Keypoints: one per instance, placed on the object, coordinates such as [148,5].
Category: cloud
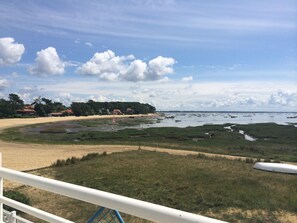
[107,66]
[175,94]
[88,44]
[4,84]
[47,63]
[14,74]
[283,98]
[160,66]
[186,79]
[10,52]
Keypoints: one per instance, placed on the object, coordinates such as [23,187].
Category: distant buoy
[276,167]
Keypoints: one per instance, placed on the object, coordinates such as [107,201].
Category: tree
[15,102]
[14,98]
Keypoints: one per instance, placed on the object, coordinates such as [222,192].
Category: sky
[217,55]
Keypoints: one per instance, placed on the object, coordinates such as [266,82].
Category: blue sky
[175,55]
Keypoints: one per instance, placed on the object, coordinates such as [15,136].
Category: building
[117,112]
[27,110]
[66,112]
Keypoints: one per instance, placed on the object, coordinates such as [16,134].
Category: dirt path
[22,156]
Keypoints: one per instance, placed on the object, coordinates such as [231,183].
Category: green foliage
[9,107]
[103,108]
[74,160]
[43,107]
[17,196]
[249,160]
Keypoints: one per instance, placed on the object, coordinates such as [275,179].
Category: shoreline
[17,122]
[29,156]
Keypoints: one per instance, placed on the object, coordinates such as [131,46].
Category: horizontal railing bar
[34,211]
[142,209]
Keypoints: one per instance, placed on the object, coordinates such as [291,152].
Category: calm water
[184,119]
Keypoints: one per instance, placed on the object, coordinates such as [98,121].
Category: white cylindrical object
[142,209]
[276,167]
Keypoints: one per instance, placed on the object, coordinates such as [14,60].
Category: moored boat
[276,167]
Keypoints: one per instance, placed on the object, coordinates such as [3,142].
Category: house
[66,112]
[117,112]
[55,114]
[27,110]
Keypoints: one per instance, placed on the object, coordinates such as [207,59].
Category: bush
[74,160]
[249,160]
[17,196]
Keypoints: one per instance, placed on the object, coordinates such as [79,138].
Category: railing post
[12,217]
[1,191]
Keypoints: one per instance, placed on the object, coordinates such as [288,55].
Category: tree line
[104,108]
[42,107]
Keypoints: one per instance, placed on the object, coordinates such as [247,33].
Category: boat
[276,167]
[292,116]
[177,120]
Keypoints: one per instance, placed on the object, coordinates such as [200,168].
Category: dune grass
[210,186]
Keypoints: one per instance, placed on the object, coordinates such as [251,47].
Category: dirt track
[22,156]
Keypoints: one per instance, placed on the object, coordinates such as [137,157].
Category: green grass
[194,184]
[273,141]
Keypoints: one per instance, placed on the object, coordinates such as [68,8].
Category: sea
[185,119]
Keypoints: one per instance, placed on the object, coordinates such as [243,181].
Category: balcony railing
[141,209]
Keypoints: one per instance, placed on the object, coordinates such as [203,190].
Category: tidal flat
[274,141]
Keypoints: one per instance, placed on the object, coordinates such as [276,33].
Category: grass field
[225,189]
[278,142]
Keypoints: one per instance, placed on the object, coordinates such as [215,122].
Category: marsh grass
[198,184]
[277,142]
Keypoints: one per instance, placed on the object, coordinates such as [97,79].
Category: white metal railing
[11,217]
[142,209]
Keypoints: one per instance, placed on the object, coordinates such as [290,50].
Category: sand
[24,156]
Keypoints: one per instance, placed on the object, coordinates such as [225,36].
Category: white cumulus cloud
[107,66]
[283,98]
[186,79]
[47,63]
[10,51]
[4,84]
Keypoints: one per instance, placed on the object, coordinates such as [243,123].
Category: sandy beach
[22,156]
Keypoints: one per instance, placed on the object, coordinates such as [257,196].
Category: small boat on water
[177,120]
[170,116]
[292,116]
[276,167]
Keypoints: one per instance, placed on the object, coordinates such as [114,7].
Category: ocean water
[185,119]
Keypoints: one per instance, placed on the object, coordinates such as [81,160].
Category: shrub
[74,160]
[17,196]
[249,160]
